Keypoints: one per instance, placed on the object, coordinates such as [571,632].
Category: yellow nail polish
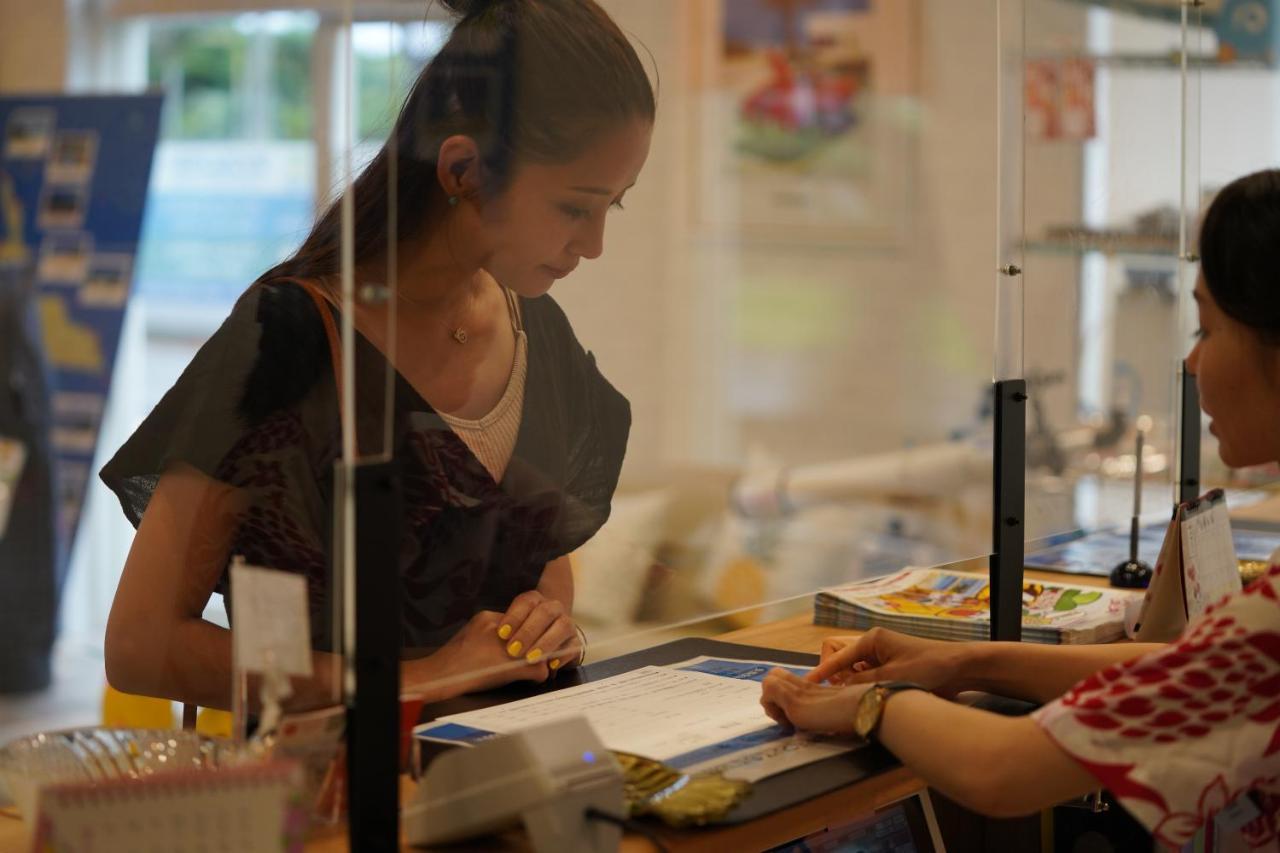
[514,648]
[534,656]
[555,663]
[504,632]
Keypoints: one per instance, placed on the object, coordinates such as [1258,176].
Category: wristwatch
[866,719]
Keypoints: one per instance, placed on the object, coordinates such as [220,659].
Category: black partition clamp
[1008,527]
[1189,439]
[373,713]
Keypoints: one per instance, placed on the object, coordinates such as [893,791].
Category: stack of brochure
[948,605]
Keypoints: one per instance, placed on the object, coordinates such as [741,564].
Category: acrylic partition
[771,373]
[1238,113]
[1111,131]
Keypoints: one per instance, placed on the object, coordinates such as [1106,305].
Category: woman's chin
[1234,457]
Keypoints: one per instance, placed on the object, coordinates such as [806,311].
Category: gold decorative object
[675,798]
[1251,570]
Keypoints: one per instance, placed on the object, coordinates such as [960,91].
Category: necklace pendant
[460,335]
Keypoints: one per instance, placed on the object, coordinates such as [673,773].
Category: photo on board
[28,133]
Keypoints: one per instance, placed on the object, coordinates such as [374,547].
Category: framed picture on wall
[804,119]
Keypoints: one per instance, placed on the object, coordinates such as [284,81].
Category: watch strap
[884,690]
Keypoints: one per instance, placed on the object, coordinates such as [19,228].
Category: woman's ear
[458,168]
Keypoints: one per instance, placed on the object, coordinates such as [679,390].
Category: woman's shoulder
[292,347]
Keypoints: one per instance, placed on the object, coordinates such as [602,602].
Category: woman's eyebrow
[600,190]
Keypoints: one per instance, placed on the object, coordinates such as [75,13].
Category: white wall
[913,349]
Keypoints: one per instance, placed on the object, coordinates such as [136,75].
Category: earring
[453,201]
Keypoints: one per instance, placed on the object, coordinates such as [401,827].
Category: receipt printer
[552,778]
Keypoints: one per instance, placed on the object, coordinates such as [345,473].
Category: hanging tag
[1210,570]
[270,629]
[13,458]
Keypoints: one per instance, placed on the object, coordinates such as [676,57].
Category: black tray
[768,795]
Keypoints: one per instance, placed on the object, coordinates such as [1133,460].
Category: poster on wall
[806,121]
[78,170]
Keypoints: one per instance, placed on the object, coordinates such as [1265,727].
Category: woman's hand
[882,655]
[801,704]
[470,661]
[540,630]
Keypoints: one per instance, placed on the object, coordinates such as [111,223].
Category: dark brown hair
[528,80]
[1240,252]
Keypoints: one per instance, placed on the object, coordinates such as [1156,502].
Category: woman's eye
[1198,334]
[617,203]
[575,212]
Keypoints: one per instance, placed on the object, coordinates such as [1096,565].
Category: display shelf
[1085,241]
[1155,61]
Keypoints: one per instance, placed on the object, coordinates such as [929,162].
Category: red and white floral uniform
[1179,734]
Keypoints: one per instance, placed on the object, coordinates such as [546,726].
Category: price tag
[269,620]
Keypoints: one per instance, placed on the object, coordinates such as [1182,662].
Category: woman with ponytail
[511,149]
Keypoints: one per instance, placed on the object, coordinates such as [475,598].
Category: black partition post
[373,713]
[1008,530]
[1189,439]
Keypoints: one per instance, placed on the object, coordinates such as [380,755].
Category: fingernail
[555,663]
[504,632]
[514,648]
[534,656]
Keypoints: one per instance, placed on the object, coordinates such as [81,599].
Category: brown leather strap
[330,328]
[189,716]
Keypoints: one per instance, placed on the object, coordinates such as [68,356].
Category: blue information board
[74,172]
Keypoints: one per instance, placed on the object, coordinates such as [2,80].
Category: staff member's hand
[793,701]
[540,630]
[882,655]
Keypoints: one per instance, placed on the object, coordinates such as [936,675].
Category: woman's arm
[998,766]
[1040,673]
[1030,671]
[995,765]
[557,581]
[157,643]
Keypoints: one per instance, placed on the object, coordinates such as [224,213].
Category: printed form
[700,715]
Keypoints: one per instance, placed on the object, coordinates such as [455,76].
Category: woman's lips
[557,272]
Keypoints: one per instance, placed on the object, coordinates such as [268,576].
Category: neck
[432,275]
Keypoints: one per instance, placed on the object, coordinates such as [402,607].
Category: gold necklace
[458,333]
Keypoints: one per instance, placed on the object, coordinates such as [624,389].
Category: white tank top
[492,438]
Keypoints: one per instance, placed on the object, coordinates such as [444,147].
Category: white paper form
[698,715]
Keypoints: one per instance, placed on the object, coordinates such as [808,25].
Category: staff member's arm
[997,766]
[1036,673]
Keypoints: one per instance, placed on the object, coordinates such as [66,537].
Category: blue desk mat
[768,795]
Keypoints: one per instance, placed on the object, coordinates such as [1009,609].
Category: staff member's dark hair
[1240,252]
[529,80]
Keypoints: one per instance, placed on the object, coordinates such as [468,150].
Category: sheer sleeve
[261,364]
[598,417]
[1180,734]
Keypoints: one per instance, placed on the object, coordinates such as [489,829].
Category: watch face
[868,713]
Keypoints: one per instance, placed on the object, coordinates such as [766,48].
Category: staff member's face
[1239,380]
[552,216]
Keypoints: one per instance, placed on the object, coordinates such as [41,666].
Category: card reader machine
[549,778]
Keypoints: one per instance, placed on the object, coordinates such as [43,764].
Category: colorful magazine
[950,605]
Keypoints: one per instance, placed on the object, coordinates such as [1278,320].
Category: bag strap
[323,306]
